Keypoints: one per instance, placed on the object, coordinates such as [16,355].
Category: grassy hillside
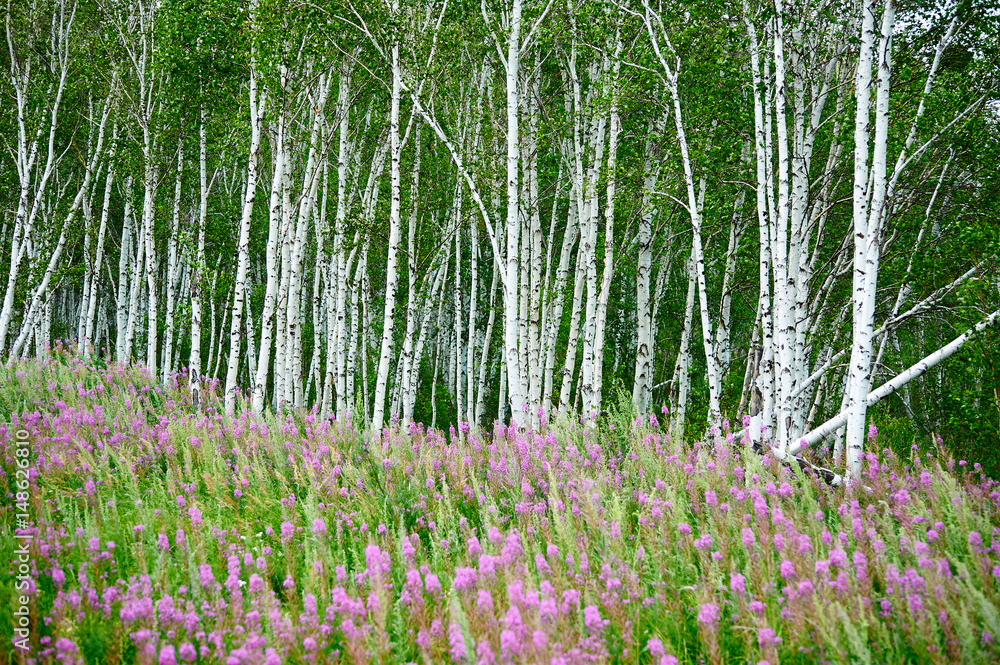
[160,534]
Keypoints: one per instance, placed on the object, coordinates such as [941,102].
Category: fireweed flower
[766,637]
[456,643]
[708,615]
[432,584]
[592,619]
[510,645]
[484,600]
[465,578]
[737,583]
[787,569]
[167,656]
[187,652]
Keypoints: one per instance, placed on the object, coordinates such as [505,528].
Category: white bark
[869,199]
[914,371]
[343,269]
[470,401]
[609,234]
[88,340]
[694,205]
[197,278]
[271,258]
[122,347]
[511,312]
[642,386]
[243,243]
[173,266]
[681,381]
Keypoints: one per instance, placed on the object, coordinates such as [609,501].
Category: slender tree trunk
[410,359]
[172,268]
[88,342]
[869,192]
[121,347]
[395,227]
[642,386]
[512,323]
[243,244]
[197,278]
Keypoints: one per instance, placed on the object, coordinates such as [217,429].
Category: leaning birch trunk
[915,371]
[92,269]
[27,151]
[556,301]
[698,258]
[670,78]
[37,308]
[243,244]
[307,204]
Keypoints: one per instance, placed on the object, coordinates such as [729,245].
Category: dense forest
[452,212]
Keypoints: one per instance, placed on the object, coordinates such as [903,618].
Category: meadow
[164,533]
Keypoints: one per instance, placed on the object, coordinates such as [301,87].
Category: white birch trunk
[395,230]
[869,192]
[123,300]
[243,243]
[172,268]
[89,347]
[642,385]
[914,371]
[197,278]
[681,381]
[512,323]
[31,196]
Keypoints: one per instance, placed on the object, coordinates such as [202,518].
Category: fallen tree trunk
[892,386]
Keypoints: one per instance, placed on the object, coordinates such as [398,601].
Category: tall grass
[163,535]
